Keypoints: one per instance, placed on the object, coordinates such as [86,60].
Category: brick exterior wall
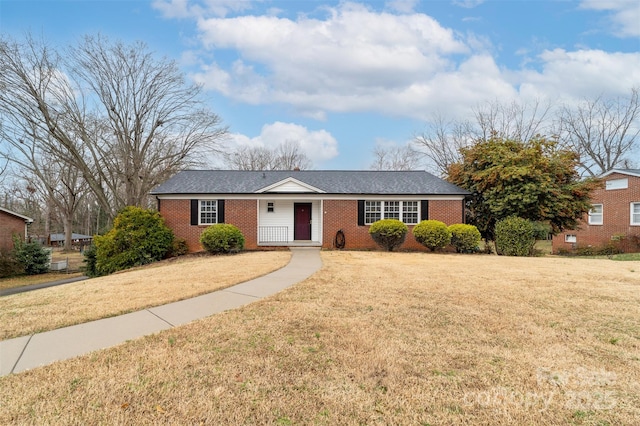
[338,214]
[241,213]
[343,214]
[10,225]
[616,219]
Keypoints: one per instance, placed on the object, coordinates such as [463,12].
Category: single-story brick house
[12,223]
[614,216]
[304,208]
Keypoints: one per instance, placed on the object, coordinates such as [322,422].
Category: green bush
[90,259]
[222,238]
[388,233]
[179,247]
[9,265]
[33,258]
[432,234]
[465,238]
[515,236]
[138,237]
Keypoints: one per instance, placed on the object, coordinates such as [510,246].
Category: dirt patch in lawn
[153,285]
[376,338]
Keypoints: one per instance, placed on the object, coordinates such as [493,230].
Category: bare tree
[442,140]
[395,158]
[250,158]
[125,120]
[516,121]
[603,131]
[287,156]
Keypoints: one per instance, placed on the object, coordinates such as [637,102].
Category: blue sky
[340,77]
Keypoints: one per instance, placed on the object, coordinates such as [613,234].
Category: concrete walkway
[23,353]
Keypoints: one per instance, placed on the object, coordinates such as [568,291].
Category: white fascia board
[25,218]
[308,196]
[619,171]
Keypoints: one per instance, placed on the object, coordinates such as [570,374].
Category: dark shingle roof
[329,181]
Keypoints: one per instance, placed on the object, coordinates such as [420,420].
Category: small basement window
[570,238]
[270,208]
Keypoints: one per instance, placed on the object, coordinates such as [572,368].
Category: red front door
[302,221]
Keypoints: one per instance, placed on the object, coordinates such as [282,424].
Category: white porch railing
[273,234]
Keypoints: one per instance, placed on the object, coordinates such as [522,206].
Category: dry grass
[376,338]
[74,259]
[163,282]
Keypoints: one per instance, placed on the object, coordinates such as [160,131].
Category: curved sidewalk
[24,353]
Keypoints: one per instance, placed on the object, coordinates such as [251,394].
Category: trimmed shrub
[138,237]
[90,259]
[9,265]
[33,258]
[178,248]
[465,238]
[388,233]
[222,238]
[515,236]
[432,234]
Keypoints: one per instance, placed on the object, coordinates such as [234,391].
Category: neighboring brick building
[11,224]
[304,208]
[614,217]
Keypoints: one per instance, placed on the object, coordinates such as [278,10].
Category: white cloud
[468,4]
[357,59]
[318,145]
[625,15]
[352,60]
[580,74]
[402,6]
[196,9]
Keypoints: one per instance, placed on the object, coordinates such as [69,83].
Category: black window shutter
[424,209]
[360,212]
[195,211]
[220,211]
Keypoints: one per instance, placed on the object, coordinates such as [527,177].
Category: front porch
[290,223]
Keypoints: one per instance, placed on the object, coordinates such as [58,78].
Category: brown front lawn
[375,338]
[128,291]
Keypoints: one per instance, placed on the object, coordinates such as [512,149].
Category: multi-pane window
[208,212]
[406,211]
[635,213]
[410,212]
[595,215]
[392,210]
[372,211]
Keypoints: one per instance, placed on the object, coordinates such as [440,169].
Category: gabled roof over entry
[308,181]
[289,185]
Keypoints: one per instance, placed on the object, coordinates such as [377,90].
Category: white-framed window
[635,214]
[595,215]
[270,207]
[372,211]
[570,238]
[617,184]
[410,212]
[392,210]
[406,211]
[208,212]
